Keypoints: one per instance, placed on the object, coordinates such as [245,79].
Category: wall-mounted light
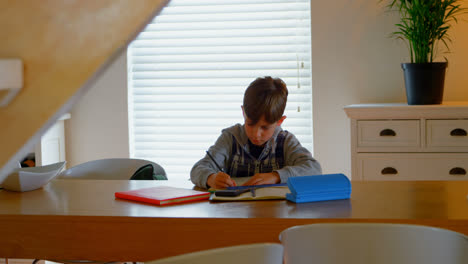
[11,78]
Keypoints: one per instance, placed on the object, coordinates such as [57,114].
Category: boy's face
[259,133]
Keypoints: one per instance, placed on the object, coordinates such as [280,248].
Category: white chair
[367,243]
[114,169]
[261,253]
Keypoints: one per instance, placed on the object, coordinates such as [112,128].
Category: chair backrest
[367,243]
[114,169]
[261,253]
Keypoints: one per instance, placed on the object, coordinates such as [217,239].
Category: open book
[262,193]
[259,193]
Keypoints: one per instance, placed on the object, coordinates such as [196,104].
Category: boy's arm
[205,167]
[298,160]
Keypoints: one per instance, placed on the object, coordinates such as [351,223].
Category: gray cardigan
[298,161]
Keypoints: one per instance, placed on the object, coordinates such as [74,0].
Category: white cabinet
[402,142]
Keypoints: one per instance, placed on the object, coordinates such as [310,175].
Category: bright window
[189,68]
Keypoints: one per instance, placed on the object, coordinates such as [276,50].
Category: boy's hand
[264,178]
[220,180]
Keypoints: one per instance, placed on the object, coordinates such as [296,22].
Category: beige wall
[353,61]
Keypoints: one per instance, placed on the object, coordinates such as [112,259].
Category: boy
[259,148]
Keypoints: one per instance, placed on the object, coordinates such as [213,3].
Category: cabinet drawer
[413,166]
[447,133]
[386,167]
[388,133]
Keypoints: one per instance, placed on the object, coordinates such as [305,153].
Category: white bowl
[31,178]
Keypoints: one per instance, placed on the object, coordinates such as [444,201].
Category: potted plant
[424,24]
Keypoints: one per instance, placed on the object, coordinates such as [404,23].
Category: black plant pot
[424,82]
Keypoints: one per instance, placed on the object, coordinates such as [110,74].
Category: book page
[265,193]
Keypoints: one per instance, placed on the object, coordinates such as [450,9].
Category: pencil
[216,163]
[252,191]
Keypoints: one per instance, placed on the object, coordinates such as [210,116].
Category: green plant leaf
[424,23]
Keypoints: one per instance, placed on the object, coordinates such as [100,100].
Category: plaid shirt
[282,153]
[243,164]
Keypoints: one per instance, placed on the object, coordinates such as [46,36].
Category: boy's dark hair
[265,97]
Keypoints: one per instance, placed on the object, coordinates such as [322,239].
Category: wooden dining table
[81,219]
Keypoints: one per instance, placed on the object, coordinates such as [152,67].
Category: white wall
[353,61]
[98,127]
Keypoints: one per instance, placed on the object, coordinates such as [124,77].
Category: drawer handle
[457,171]
[458,132]
[389,170]
[387,133]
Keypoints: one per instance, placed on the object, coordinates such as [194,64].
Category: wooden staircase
[64,45]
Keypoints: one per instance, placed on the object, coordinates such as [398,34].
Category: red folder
[163,195]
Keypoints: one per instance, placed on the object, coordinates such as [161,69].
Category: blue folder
[318,188]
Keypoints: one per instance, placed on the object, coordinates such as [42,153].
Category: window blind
[189,68]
